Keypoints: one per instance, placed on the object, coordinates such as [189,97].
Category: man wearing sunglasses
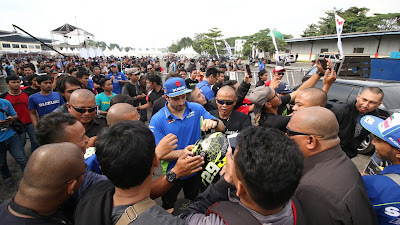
[331,190]
[278,73]
[54,173]
[234,120]
[82,105]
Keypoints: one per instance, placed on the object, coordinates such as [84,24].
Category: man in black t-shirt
[234,121]
[132,87]
[97,76]
[156,91]
[192,81]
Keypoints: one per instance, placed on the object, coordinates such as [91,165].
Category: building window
[324,50]
[15,45]
[287,51]
[37,46]
[24,46]
[31,46]
[6,45]
[358,50]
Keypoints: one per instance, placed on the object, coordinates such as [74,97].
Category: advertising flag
[228,48]
[216,50]
[339,28]
[274,41]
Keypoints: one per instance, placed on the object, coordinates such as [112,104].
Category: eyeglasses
[276,95]
[290,133]
[281,74]
[81,174]
[149,68]
[222,102]
[83,110]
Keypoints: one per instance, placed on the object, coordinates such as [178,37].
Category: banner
[339,28]
[216,50]
[228,48]
[276,47]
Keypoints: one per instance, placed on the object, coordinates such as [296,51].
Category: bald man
[331,190]
[54,173]
[310,97]
[82,105]
[121,111]
[234,121]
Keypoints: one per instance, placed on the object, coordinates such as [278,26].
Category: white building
[239,43]
[375,44]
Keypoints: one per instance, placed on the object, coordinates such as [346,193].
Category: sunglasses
[222,102]
[281,74]
[83,110]
[289,132]
[275,96]
[81,174]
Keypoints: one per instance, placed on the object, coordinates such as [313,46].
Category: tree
[356,21]
[205,41]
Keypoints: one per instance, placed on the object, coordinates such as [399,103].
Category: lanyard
[56,218]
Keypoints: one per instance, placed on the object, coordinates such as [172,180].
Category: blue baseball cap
[175,86]
[283,88]
[387,130]
[113,64]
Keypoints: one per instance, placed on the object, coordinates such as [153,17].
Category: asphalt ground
[6,193]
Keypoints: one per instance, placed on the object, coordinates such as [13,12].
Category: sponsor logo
[49,103]
[178,83]
[178,89]
[394,142]
[369,120]
[171,121]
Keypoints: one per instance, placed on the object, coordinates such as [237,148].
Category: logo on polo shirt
[190,114]
[171,121]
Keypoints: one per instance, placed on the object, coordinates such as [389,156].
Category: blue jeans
[14,146]
[31,132]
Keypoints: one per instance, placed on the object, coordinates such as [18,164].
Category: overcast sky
[157,23]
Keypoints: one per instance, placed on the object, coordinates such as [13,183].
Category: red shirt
[267,83]
[20,104]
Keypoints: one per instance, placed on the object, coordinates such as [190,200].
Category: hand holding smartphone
[249,71]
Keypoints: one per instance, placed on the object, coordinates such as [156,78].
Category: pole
[15,26]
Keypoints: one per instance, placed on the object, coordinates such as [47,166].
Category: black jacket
[347,114]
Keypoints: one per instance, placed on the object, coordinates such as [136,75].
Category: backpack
[234,214]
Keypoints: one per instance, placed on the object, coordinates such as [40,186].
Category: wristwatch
[171,177]
[321,74]
[216,121]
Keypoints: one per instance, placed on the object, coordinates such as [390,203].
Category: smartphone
[232,142]
[323,62]
[249,71]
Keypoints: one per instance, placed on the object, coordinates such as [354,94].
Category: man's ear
[311,142]
[73,185]
[69,106]
[398,153]
[268,104]
[156,161]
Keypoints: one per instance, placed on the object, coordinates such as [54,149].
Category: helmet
[213,148]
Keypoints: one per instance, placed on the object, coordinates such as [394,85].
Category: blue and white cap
[387,130]
[175,86]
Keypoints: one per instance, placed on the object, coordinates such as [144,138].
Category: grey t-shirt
[153,216]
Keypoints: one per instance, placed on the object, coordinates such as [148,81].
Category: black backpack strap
[232,213]
[4,95]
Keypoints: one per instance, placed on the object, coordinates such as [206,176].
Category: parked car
[346,90]
[334,57]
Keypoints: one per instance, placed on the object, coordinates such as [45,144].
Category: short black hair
[62,83]
[30,78]
[212,71]
[42,78]
[229,83]
[29,65]
[72,70]
[125,153]
[154,78]
[12,77]
[119,98]
[50,128]
[269,164]
[102,81]
[182,70]
[81,73]
[374,90]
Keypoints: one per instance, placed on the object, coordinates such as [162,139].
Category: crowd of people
[94,148]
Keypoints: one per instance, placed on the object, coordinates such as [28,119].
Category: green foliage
[183,43]
[205,41]
[356,20]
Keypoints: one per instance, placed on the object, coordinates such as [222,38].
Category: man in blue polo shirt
[384,189]
[117,78]
[205,86]
[185,120]
[45,101]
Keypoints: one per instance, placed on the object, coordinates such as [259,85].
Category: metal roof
[347,35]
[16,37]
